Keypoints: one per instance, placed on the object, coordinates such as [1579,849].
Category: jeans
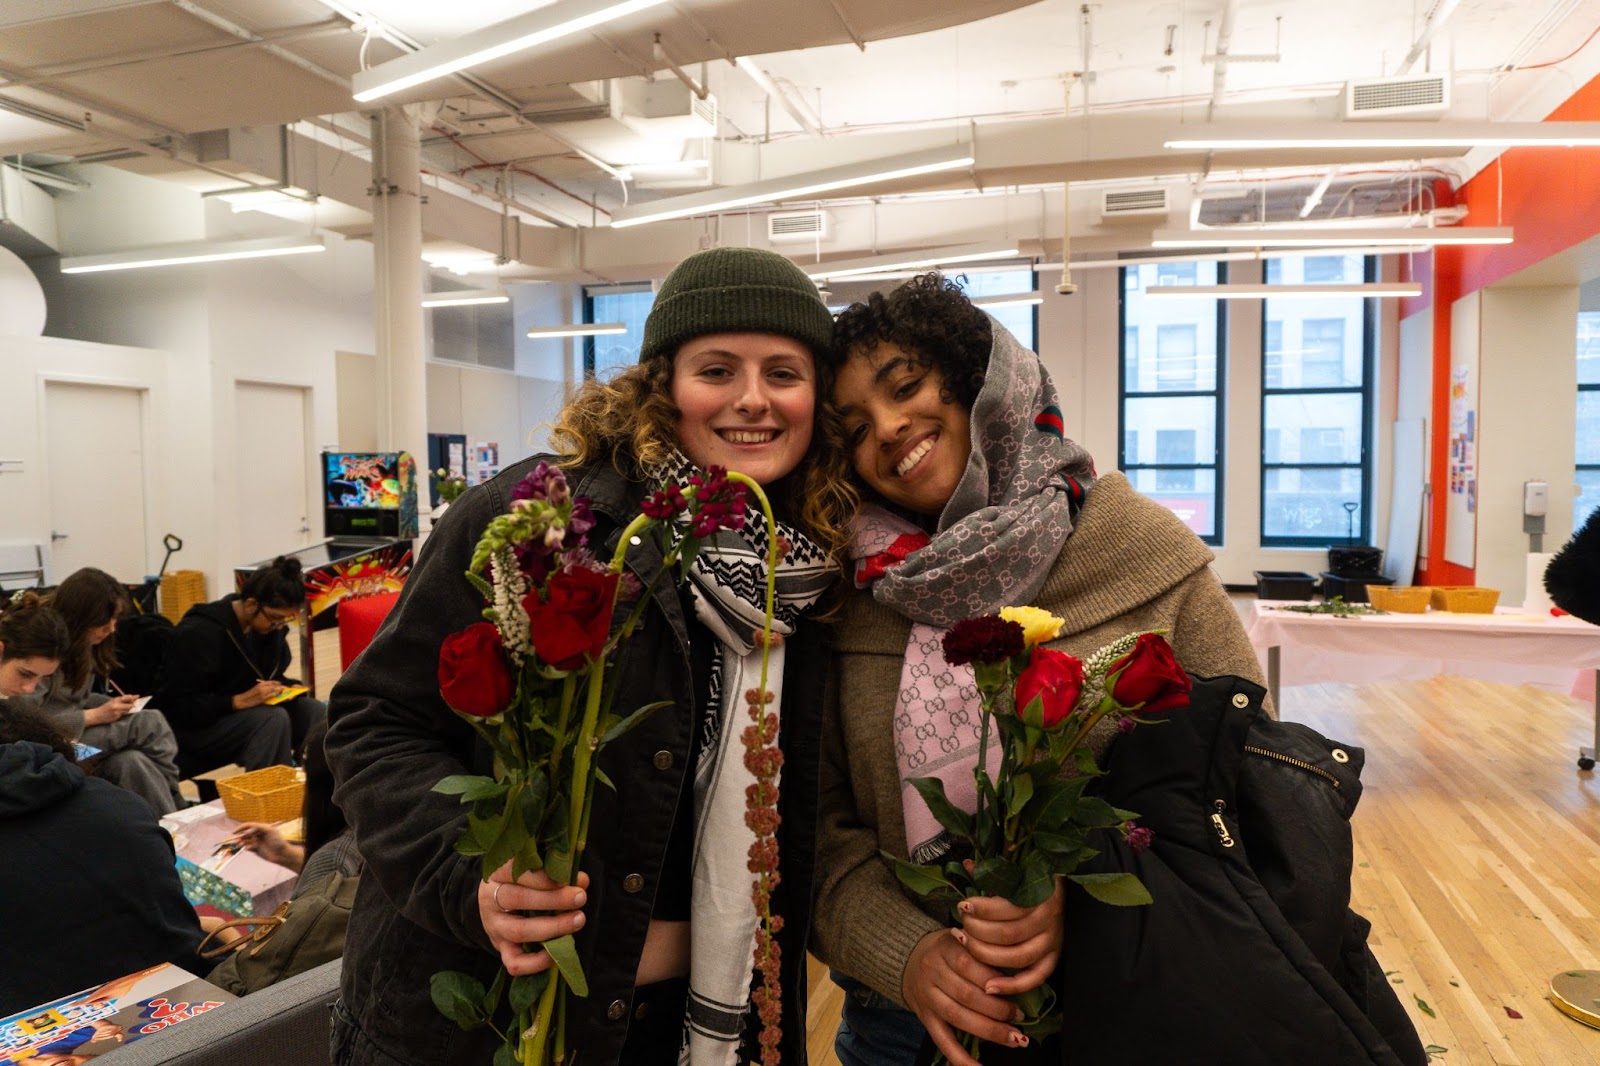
[873,1029]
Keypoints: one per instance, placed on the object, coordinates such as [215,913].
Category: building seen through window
[1316,405]
[628,304]
[1171,394]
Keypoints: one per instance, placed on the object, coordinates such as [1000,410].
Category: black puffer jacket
[391,738]
[1251,936]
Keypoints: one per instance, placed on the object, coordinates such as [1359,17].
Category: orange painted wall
[1551,197]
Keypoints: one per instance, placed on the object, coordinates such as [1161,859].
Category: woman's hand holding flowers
[505,907]
[944,985]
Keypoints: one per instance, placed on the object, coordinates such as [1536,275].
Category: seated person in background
[141,754]
[328,845]
[224,662]
[90,889]
[33,640]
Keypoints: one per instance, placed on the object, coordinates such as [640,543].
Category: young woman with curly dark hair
[979,502]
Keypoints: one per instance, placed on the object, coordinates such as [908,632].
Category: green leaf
[995,876]
[534,798]
[470,787]
[1095,813]
[1021,793]
[1033,713]
[565,954]
[953,818]
[457,996]
[1434,1049]
[1060,799]
[1119,890]
[637,718]
[558,864]
[506,1055]
[526,989]
[512,835]
[485,589]
[926,882]
[1422,1005]
[1065,843]
[604,778]
[1038,882]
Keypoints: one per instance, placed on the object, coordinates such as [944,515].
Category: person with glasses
[223,682]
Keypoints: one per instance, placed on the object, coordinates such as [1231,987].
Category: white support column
[397,291]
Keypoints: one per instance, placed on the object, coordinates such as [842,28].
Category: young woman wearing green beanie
[731,373]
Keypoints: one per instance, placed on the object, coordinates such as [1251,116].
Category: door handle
[57,536]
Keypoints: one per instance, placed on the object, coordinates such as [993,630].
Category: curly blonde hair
[593,427]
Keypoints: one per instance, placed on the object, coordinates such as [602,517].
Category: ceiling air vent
[1426,94]
[798,226]
[1133,203]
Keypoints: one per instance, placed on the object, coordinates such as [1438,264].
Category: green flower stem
[569,687]
[1106,707]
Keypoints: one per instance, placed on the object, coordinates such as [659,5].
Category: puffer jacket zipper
[1319,771]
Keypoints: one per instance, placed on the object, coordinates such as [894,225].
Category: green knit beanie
[735,290]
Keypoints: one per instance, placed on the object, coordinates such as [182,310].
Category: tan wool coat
[1130,565]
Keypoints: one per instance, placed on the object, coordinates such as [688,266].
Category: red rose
[575,618]
[472,671]
[1150,679]
[1055,679]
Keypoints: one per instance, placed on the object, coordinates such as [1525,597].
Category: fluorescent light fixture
[1234,257]
[1014,299]
[191,252]
[810,183]
[1326,237]
[560,19]
[578,329]
[1245,291]
[915,260]
[1261,135]
[465,297]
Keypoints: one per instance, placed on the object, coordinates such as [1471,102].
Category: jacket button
[663,760]
[1340,755]
[1241,700]
[616,1010]
[640,1011]
[632,883]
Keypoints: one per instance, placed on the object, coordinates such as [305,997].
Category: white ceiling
[1048,91]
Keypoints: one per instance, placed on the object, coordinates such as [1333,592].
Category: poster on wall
[1461,500]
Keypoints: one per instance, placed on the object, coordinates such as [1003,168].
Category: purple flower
[1127,724]
[665,503]
[544,482]
[985,639]
[1139,838]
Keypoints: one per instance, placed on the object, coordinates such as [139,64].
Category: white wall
[1527,400]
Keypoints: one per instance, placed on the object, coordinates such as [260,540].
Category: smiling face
[907,442]
[747,401]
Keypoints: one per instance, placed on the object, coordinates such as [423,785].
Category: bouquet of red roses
[1035,820]
[534,679]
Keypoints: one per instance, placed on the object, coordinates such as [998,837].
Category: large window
[1316,406]
[1171,395]
[1588,447]
[1021,319]
[605,355]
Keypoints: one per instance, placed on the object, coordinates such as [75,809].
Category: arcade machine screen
[361,493]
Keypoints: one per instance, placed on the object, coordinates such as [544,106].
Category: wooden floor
[1477,859]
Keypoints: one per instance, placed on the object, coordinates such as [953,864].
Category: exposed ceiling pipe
[1219,71]
[1315,196]
[1066,287]
[671,64]
[778,96]
[1436,19]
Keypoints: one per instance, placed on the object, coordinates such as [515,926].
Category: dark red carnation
[574,620]
[473,676]
[1148,679]
[985,639]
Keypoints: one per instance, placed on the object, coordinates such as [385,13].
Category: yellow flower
[1038,625]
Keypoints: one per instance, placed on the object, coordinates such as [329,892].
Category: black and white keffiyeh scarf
[728,583]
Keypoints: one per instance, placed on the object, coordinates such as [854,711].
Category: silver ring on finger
[494,897]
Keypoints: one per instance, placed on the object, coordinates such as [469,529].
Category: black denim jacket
[391,738]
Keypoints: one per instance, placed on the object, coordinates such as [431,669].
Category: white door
[95,460]
[272,452]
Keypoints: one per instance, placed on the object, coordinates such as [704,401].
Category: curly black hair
[932,319]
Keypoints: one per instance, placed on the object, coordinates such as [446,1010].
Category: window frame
[1367,390]
[1218,394]
[589,294]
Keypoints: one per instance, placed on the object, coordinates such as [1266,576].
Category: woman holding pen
[82,704]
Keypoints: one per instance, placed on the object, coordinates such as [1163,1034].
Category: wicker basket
[1402,599]
[1465,599]
[271,794]
[181,590]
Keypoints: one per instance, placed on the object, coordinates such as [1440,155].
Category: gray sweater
[61,706]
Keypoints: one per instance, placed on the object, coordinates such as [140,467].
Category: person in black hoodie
[225,661]
[89,882]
